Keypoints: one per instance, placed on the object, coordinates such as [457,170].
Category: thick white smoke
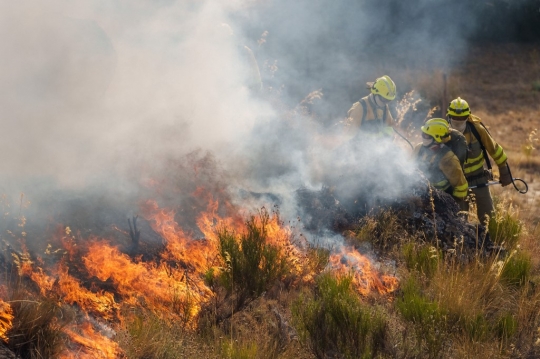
[94,87]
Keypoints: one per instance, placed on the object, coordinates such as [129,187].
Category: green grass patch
[334,320]
[422,258]
[516,270]
[426,315]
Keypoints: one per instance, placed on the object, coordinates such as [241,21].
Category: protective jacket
[442,168]
[474,165]
[369,118]
[458,144]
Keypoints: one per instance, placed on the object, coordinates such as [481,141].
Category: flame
[6,319]
[93,344]
[156,286]
[103,281]
[365,278]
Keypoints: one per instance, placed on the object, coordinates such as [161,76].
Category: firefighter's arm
[451,168]
[493,148]
[354,116]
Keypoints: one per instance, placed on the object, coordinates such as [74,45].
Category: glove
[504,175]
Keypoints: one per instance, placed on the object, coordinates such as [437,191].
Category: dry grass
[37,330]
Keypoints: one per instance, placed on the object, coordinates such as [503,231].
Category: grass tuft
[505,226]
[37,330]
[333,321]
[516,270]
[146,336]
[422,258]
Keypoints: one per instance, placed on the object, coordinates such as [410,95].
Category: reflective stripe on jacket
[368,118]
[442,168]
[474,165]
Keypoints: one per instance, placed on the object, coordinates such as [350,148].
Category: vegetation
[333,319]
[37,330]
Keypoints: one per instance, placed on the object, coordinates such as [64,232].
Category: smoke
[111,93]
[95,88]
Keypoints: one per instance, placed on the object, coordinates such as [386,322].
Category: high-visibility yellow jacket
[367,118]
[474,165]
[442,168]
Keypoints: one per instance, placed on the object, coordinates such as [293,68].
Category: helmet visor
[458,118]
[459,111]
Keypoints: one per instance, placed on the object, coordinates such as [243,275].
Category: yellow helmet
[385,87]
[458,107]
[437,128]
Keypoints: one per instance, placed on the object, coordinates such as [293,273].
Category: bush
[37,330]
[318,258]
[251,264]
[334,320]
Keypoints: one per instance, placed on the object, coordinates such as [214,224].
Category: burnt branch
[134,233]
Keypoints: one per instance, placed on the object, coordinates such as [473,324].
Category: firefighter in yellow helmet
[480,144]
[440,165]
[371,116]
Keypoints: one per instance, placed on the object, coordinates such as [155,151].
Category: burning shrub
[37,330]
[251,263]
[334,320]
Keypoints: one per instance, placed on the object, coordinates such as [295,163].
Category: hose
[514,180]
[400,135]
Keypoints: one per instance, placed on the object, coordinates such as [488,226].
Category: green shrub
[251,264]
[517,269]
[536,85]
[334,320]
[424,258]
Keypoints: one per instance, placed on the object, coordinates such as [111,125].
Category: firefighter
[480,144]
[371,116]
[440,165]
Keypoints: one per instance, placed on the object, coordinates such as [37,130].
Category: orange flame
[93,344]
[365,277]
[6,319]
